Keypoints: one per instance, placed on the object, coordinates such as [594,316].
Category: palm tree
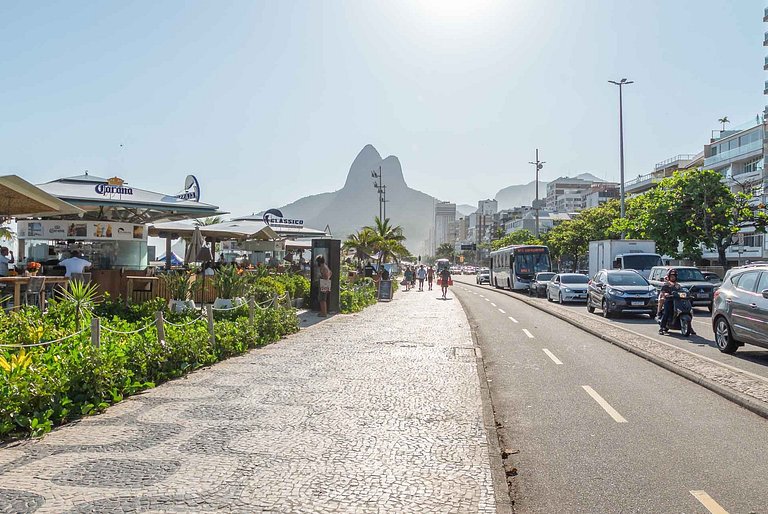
[445,251]
[212,220]
[7,233]
[724,120]
[387,240]
[360,243]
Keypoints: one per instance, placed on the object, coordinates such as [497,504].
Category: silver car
[568,287]
[740,308]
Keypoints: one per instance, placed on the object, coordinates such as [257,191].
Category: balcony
[765,64]
[736,153]
[681,161]
[765,41]
[765,14]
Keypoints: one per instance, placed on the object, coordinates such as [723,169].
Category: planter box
[181,305]
[228,303]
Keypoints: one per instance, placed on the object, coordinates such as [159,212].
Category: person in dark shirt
[445,278]
[666,302]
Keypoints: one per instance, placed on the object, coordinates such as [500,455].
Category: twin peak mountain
[356,204]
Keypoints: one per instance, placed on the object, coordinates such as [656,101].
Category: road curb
[502,491]
[751,404]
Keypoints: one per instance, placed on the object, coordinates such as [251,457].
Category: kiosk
[330,249]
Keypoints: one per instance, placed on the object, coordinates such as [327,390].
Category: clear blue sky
[270,101]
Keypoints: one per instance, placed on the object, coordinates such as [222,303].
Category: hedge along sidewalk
[741,387]
[367,412]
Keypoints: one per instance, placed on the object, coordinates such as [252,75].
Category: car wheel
[560,298]
[549,298]
[606,312]
[724,336]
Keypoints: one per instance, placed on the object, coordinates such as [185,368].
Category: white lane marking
[709,503]
[530,336]
[493,304]
[618,418]
[486,299]
[552,356]
[502,311]
[513,320]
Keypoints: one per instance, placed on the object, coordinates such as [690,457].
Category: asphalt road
[597,429]
[748,358]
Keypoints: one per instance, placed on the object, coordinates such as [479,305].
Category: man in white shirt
[75,264]
[6,258]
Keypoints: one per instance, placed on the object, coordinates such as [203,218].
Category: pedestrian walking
[324,272]
[430,276]
[408,278]
[445,281]
[421,274]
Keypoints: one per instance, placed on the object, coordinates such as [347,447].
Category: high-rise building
[445,223]
[488,207]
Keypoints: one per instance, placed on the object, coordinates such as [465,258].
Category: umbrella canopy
[175,259]
[194,246]
[19,199]
[220,231]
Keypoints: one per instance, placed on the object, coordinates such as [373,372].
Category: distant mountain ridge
[356,203]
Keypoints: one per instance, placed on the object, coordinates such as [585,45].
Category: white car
[568,287]
[483,275]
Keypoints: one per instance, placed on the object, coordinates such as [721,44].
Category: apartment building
[445,223]
[574,194]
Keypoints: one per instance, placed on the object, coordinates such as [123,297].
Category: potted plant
[181,286]
[230,286]
[33,268]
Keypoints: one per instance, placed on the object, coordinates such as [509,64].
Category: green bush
[44,386]
[356,296]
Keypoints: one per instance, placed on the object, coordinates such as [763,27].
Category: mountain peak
[366,161]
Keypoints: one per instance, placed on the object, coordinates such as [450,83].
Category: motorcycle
[682,312]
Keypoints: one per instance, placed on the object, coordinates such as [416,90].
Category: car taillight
[715,295]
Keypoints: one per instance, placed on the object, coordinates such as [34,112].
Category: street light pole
[378,183]
[537,166]
[622,82]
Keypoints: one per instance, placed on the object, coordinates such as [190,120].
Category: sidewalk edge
[755,406]
[503,500]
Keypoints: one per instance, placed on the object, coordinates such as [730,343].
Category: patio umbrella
[194,247]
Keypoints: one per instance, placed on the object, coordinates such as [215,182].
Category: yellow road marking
[618,418]
[709,503]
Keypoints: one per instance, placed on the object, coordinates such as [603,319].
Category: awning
[117,200]
[20,199]
[285,230]
[228,230]
[298,245]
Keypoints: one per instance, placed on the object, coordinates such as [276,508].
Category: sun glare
[457,10]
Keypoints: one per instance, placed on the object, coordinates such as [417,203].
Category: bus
[441,264]
[513,267]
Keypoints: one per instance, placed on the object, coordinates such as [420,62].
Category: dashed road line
[709,503]
[486,299]
[513,320]
[493,304]
[552,356]
[502,311]
[530,336]
[618,418]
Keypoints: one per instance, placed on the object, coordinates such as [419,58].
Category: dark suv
[689,277]
[740,308]
[616,291]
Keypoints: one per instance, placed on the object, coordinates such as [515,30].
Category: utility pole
[537,166]
[622,82]
[378,183]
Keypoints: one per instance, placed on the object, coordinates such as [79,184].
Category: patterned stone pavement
[374,412]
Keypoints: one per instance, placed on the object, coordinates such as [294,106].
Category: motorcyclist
[666,302]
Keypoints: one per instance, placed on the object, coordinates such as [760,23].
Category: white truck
[637,254]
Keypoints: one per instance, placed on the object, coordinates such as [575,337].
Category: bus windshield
[530,263]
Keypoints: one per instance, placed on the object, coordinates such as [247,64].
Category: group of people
[423,273]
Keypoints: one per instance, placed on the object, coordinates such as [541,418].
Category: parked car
[740,309]
[539,283]
[712,278]
[691,278]
[616,291]
[567,287]
[468,270]
[455,270]
[483,276]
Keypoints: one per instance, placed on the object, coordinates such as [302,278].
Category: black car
[616,291]
[538,286]
[691,278]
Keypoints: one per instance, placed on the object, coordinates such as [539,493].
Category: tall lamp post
[622,82]
[537,166]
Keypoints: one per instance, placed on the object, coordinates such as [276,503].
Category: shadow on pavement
[309,318]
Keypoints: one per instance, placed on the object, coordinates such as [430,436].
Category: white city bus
[514,267]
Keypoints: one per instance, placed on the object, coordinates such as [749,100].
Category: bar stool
[36,290]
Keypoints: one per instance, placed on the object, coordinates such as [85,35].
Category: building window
[753,165]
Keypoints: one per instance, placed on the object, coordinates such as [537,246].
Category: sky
[267,102]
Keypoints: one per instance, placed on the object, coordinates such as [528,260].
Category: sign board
[274,218]
[81,230]
[470,246]
[385,290]
[191,189]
